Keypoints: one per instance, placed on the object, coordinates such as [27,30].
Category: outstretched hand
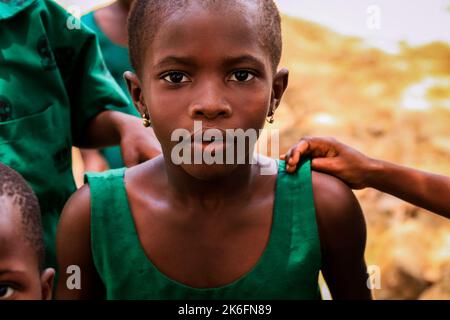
[332,157]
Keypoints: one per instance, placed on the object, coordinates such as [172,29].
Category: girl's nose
[210,110]
[210,106]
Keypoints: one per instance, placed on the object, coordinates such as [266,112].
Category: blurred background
[375,75]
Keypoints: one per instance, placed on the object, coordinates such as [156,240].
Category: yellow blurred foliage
[393,107]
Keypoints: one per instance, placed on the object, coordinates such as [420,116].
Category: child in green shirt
[110,25]
[55,93]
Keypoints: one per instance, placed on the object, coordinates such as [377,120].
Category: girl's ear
[280,83]
[47,277]
[134,88]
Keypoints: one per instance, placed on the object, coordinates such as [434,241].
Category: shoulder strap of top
[112,227]
[295,192]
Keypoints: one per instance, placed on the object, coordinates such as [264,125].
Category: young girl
[170,230]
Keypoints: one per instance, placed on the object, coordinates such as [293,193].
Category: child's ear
[47,277]
[134,88]
[280,83]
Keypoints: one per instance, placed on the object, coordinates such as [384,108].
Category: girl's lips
[212,145]
[208,134]
[212,139]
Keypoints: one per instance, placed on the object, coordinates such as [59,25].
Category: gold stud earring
[271,119]
[146,121]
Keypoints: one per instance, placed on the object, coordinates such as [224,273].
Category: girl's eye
[175,77]
[5,292]
[241,76]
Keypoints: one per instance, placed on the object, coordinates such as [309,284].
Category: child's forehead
[202,31]
[182,24]
[10,218]
[12,238]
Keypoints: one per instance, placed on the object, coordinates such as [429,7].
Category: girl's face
[207,65]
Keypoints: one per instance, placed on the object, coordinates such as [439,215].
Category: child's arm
[342,233]
[109,127]
[91,92]
[426,190]
[73,248]
[93,160]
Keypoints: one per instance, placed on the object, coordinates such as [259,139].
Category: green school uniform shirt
[117,60]
[52,82]
[288,268]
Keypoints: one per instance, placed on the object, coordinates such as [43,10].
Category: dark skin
[20,277]
[195,212]
[108,128]
[112,20]
[423,189]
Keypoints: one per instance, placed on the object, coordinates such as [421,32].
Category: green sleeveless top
[288,268]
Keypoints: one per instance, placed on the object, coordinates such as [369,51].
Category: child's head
[148,16]
[21,242]
[205,60]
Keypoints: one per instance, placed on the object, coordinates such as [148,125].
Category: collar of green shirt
[9,8]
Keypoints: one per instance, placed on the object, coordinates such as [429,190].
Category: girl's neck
[210,194]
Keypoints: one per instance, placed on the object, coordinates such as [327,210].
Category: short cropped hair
[13,187]
[147,16]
